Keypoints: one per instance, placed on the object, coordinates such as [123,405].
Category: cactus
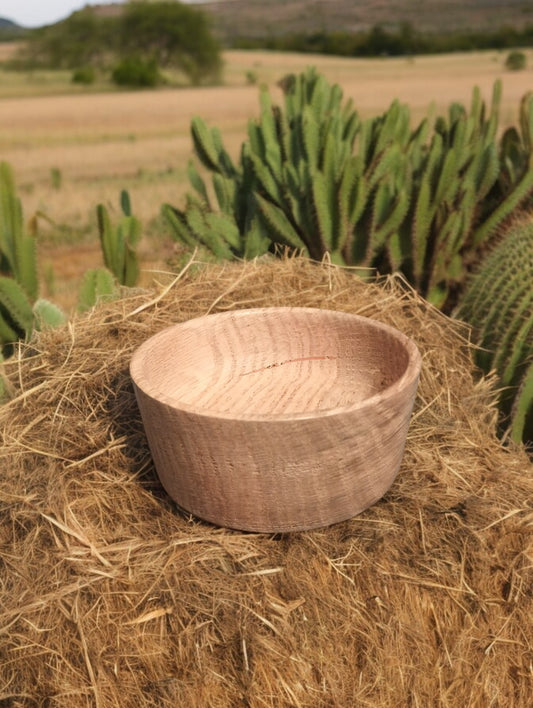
[97,284]
[316,178]
[19,317]
[119,243]
[498,302]
[21,310]
[17,249]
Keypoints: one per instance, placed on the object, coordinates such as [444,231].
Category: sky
[36,13]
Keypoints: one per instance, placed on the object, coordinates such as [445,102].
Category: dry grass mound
[109,596]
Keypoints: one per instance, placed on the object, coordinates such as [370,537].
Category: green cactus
[119,243]
[21,310]
[316,178]
[17,249]
[97,284]
[16,313]
[498,302]
[19,317]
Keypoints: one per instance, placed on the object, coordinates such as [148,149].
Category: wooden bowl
[276,419]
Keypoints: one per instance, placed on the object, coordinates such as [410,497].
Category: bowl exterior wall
[278,475]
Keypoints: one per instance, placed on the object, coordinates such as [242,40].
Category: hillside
[232,19]
[9,29]
[257,18]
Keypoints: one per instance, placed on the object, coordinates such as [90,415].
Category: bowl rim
[409,376]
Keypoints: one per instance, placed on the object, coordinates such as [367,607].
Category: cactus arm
[209,148]
[224,226]
[131,269]
[518,343]
[421,225]
[10,215]
[105,233]
[226,193]
[197,181]
[522,411]
[178,224]
[17,305]
[125,202]
[520,193]
[448,183]
[390,219]
[266,180]
[398,250]
[46,314]
[526,120]
[295,194]
[326,238]
[119,245]
[196,220]
[26,265]
[351,125]
[489,170]
[256,242]
[7,333]
[310,137]
[280,225]
[272,151]
[352,198]
[96,284]
[203,144]
[255,141]
[16,247]
[283,131]
[387,163]
[417,141]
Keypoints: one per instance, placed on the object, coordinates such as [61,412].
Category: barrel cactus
[498,303]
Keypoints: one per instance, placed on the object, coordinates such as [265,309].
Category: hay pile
[110,597]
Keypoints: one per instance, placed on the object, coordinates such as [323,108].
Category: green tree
[83,39]
[160,34]
[172,34]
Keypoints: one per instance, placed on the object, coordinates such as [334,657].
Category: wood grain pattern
[276,419]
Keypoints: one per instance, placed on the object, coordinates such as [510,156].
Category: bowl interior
[271,362]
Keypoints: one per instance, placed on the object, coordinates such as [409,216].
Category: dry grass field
[98,143]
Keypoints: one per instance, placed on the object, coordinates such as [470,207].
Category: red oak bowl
[276,419]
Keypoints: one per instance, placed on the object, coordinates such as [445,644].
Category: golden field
[100,142]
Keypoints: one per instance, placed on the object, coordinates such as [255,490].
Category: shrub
[84,75]
[136,72]
[516,60]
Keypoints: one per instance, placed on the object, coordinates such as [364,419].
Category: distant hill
[10,30]
[272,18]
[236,19]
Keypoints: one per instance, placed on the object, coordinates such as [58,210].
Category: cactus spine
[498,302]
